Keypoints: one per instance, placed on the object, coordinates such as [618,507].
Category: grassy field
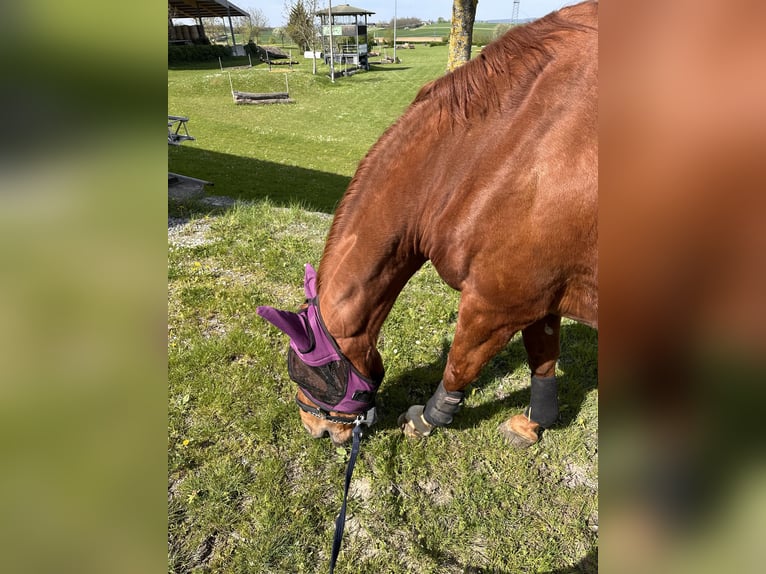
[248,490]
[437,30]
[304,152]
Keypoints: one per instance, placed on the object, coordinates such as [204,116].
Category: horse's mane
[508,65]
[511,62]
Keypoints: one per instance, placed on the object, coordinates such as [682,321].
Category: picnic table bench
[177,130]
[177,134]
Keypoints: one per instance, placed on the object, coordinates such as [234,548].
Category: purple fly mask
[314,360]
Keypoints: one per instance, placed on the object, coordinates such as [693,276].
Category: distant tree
[300,24]
[463,17]
[214,27]
[482,37]
[254,24]
[277,35]
[440,20]
[387,37]
[406,22]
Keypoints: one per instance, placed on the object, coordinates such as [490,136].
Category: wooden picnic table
[177,130]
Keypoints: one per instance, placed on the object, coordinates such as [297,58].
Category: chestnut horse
[491,174]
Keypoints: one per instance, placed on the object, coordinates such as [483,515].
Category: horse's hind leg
[541,340]
[481,332]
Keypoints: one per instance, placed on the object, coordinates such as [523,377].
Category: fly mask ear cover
[314,360]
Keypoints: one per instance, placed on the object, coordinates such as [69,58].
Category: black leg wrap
[442,406]
[544,402]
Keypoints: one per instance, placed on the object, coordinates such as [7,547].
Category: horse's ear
[310,282]
[290,323]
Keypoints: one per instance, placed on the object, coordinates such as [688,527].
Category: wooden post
[358,47]
[231,27]
[394,31]
[332,55]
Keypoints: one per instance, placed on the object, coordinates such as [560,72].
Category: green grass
[304,152]
[248,489]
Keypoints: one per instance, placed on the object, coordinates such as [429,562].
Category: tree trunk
[463,16]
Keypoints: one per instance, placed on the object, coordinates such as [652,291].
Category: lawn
[248,489]
[303,152]
[439,32]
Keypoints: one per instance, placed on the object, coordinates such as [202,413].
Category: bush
[482,37]
[196,53]
[251,48]
[501,29]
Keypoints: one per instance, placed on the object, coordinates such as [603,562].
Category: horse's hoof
[413,424]
[520,431]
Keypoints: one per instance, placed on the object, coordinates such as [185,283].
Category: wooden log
[261,96]
[256,102]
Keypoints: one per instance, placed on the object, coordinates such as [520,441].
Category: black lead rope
[340,522]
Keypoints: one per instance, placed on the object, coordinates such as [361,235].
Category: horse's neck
[363,269]
[374,245]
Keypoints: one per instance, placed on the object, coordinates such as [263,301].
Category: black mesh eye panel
[326,383]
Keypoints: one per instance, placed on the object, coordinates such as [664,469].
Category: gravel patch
[360,488]
[218,201]
[185,233]
[576,475]
[433,489]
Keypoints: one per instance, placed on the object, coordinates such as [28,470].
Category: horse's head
[332,395]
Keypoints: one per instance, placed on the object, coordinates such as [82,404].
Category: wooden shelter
[344,34]
[197,10]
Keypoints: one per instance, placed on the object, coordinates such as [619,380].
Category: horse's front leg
[480,333]
[541,341]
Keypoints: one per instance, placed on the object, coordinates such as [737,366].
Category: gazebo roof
[203,9]
[344,10]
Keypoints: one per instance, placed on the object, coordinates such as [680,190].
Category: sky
[425,9]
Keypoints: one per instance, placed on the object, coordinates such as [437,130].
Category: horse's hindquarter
[519,226]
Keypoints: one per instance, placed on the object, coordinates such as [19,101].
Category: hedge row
[196,53]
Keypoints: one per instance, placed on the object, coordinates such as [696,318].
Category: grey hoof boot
[413,424]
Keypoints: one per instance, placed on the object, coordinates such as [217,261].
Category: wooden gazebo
[344,34]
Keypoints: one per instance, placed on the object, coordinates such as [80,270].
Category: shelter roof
[203,9]
[344,10]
